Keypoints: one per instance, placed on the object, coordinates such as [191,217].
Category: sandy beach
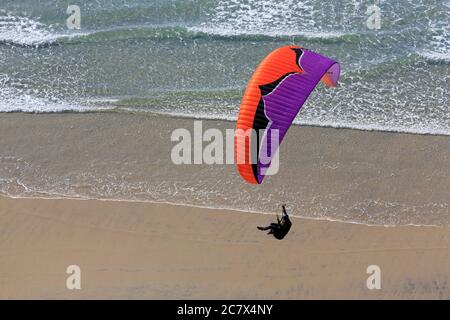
[117,127]
[142,250]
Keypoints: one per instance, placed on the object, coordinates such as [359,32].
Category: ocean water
[194,58]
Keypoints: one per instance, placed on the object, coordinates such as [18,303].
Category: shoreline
[237,211]
[140,250]
[130,111]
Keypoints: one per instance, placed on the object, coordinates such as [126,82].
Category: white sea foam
[19,100]
[263,17]
[439,46]
[435,55]
[219,31]
[335,123]
[22,30]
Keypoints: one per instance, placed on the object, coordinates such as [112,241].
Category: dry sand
[160,251]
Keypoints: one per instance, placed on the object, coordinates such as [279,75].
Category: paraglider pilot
[280,229]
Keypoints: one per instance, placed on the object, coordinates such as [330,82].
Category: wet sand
[142,250]
[380,178]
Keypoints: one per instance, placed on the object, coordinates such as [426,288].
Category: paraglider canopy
[275,94]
